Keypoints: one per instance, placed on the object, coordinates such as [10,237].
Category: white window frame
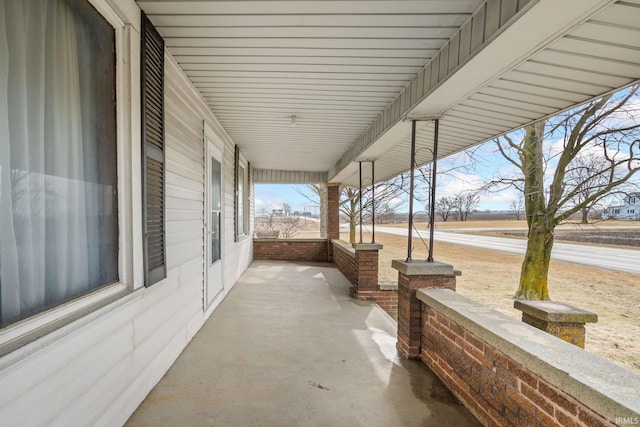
[246,209]
[130,253]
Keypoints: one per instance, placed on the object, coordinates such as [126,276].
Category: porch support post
[360,197]
[434,165]
[411,184]
[411,277]
[333,215]
[373,201]
[366,266]
[415,275]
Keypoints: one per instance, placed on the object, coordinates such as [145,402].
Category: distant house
[630,209]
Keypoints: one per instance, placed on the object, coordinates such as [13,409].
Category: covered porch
[289,346]
[309,92]
[212,97]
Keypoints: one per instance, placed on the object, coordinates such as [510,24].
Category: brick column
[558,319]
[333,215]
[411,277]
[366,269]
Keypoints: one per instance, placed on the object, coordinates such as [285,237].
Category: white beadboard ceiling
[350,71]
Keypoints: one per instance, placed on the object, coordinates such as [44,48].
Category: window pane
[216,192]
[58,184]
[246,201]
[215,237]
[241,200]
[216,184]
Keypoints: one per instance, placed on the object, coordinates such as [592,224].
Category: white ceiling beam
[228,52]
[311,20]
[305,7]
[337,41]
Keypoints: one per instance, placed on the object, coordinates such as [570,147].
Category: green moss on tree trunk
[535,266]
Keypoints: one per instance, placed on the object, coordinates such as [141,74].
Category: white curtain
[50,198]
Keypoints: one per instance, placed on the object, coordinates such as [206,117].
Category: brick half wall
[312,250]
[344,257]
[510,374]
[359,268]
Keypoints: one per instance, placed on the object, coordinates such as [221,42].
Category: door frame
[212,140]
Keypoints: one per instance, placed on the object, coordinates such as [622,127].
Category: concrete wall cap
[552,311]
[388,287]
[366,246]
[264,240]
[422,268]
[608,389]
[344,245]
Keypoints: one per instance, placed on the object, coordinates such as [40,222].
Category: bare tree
[517,206]
[609,126]
[286,208]
[464,203]
[288,226]
[317,195]
[387,199]
[385,212]
[588,174]
[267,222]
[350,208]
[278,226]
[444,206]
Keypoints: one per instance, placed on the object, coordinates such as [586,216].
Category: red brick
[557,397]
[290,250]
[472,351]
[521,419]
[510,404]
[505,378]
[541,401]
[471,339]
[546,420]
[525,375]
[456,329]
[565,419]
[520,400]
[592,419]
[495,356]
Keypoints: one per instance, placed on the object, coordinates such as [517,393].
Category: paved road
[627,260]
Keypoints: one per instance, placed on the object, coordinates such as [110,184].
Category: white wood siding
[238,254]
[295,177]
[103,365]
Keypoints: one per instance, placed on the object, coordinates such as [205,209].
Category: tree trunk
[540,220]
[585,216]
[354,214]
[352,230]
[322,193]
[535,266]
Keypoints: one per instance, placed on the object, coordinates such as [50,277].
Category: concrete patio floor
[290,347]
